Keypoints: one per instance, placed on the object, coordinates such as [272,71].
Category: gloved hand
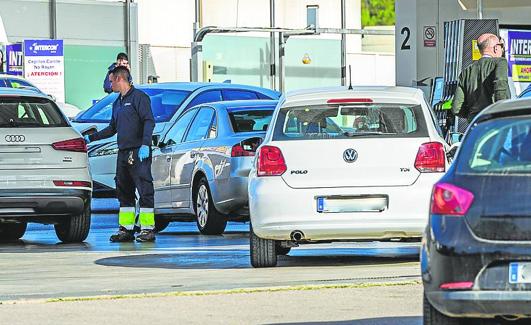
[143,152]
[87,139]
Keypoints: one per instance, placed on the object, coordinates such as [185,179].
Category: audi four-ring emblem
[15,138]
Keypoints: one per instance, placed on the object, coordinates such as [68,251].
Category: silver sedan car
[200,166]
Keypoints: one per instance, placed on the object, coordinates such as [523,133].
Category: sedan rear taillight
[238,151]
[448,199]
[77,145]
[271,162]
[72,183]
[431,158]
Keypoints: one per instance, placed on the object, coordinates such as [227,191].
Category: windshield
[499,146]
[250,120]
[27,112]
[329,121]
[164,103]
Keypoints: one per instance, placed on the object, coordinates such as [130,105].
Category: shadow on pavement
[408,320]
[404,320]
[237,259]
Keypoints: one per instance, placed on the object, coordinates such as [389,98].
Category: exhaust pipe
[297,235]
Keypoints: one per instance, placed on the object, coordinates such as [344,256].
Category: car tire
[76,228]
[282,250]
[209,221]
[161,223]
[263,251]
[12,231]
[433,317]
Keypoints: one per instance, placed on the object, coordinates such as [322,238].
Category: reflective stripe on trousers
[126,217]
[147,218]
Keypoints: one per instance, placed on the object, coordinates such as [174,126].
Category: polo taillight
[237,151]
[77,145]
[431,158]
[448,199]
[72,183]
[271,161]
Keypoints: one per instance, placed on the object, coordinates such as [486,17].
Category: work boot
[146,235]
[123,235]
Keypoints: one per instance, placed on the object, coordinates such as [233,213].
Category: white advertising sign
[44,66]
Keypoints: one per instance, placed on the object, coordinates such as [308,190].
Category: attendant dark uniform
[132,120]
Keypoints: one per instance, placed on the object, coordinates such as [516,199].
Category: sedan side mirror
[251,144]
[88,131]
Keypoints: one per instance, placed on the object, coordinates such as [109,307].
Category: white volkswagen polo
[44,174]
[340,165]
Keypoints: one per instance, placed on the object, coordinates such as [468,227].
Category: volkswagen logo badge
[350,155]
[15,138]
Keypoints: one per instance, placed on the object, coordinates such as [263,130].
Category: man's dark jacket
[481,84]
[132,119]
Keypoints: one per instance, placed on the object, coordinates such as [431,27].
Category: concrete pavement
[182,262]
[378,305]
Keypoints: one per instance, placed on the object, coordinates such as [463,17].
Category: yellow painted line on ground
[220,292]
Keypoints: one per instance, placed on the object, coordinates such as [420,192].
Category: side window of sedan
[200,128]
[208,96]
[177,131]
[237,94]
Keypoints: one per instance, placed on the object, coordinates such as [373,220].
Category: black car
[476,252]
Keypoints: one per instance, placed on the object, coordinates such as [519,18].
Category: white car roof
[380,92]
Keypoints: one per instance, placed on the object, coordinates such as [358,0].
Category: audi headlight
[106,150]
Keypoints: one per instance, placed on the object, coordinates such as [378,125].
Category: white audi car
[44,173]
[341,165]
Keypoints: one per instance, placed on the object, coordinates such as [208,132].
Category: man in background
[484,82]
[121,61]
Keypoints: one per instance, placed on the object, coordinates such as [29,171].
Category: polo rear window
[29,112]
[321,122]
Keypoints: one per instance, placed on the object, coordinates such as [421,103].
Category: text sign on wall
[519,55]
[14,59]
[44,65]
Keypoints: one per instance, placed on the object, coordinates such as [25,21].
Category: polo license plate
[345,204]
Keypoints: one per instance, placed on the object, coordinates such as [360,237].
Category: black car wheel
[74,229]
[12,231]
[209,220]
[433,317]
[263,251]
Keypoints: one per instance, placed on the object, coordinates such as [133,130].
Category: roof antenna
[350,77]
